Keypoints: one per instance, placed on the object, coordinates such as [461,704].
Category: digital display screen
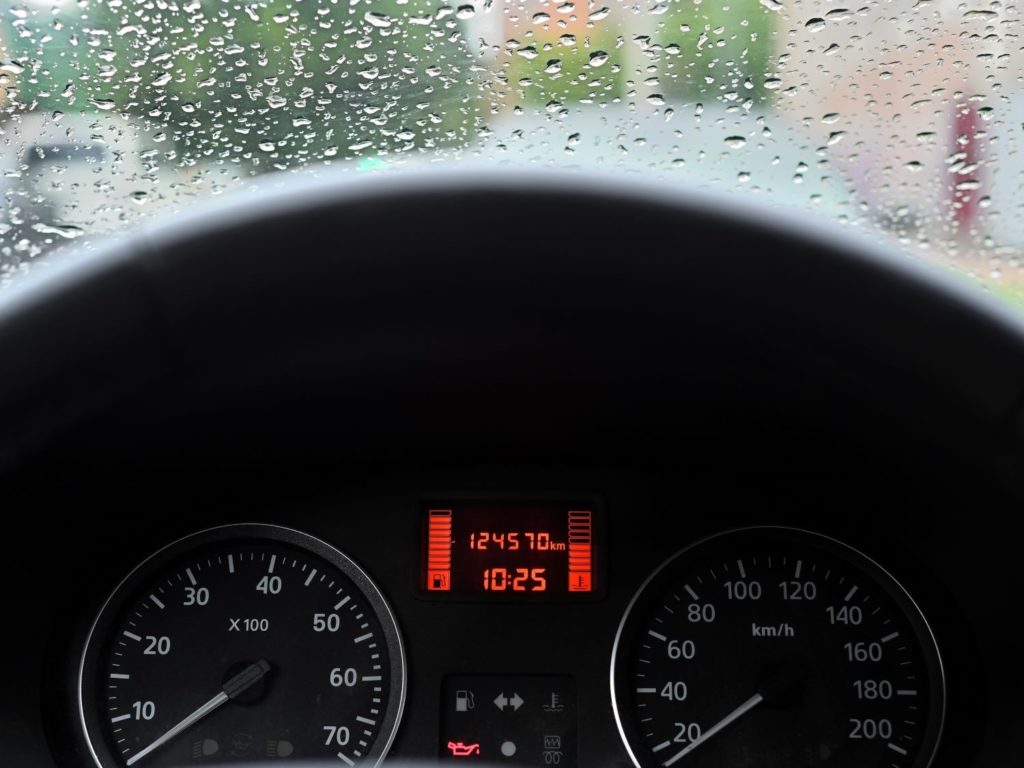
[514,549]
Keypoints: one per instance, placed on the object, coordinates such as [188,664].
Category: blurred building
[71,173]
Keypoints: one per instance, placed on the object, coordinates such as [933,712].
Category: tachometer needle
[732,717]
[232,688]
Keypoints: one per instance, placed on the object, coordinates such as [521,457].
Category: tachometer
[776,648]
[243,643]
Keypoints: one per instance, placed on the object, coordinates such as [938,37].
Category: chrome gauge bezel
[931,651]
[92,650]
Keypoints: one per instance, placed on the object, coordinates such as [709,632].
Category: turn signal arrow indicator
[503,702]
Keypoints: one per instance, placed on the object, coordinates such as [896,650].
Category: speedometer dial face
[243,643]
[775,648]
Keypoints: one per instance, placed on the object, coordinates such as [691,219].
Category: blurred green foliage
[711,50]
[279,83]
[587,70]
[273,83]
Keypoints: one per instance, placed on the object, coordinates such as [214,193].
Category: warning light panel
[509,549]
[509,720]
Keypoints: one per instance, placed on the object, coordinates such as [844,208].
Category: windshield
[902,118]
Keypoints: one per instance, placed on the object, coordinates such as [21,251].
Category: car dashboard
[551,507]
[481,664]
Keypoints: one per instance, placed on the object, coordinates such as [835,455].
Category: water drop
[379,20]
[66,231]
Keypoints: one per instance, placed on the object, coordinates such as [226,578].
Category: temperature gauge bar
[581,565]
[509,549]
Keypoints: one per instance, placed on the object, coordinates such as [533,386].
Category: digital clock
[509,548]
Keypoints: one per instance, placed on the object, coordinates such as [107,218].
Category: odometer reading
[247,643]
[774,647]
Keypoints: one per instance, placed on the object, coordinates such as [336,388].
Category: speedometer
[244,643]
[773,647]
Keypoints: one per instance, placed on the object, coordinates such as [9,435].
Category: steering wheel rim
[505,272]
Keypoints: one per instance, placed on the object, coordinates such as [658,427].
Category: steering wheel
[465,314]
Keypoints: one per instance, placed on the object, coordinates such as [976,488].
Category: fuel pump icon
[464,701]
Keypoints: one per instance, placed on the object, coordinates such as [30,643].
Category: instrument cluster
[528,629]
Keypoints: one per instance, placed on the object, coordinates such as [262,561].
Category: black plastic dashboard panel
[329,357]
[387,315]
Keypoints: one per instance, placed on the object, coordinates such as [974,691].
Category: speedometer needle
[783,683]
[732,717]
[234,687]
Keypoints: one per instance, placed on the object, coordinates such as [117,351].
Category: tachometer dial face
[243,643]
[776,648]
